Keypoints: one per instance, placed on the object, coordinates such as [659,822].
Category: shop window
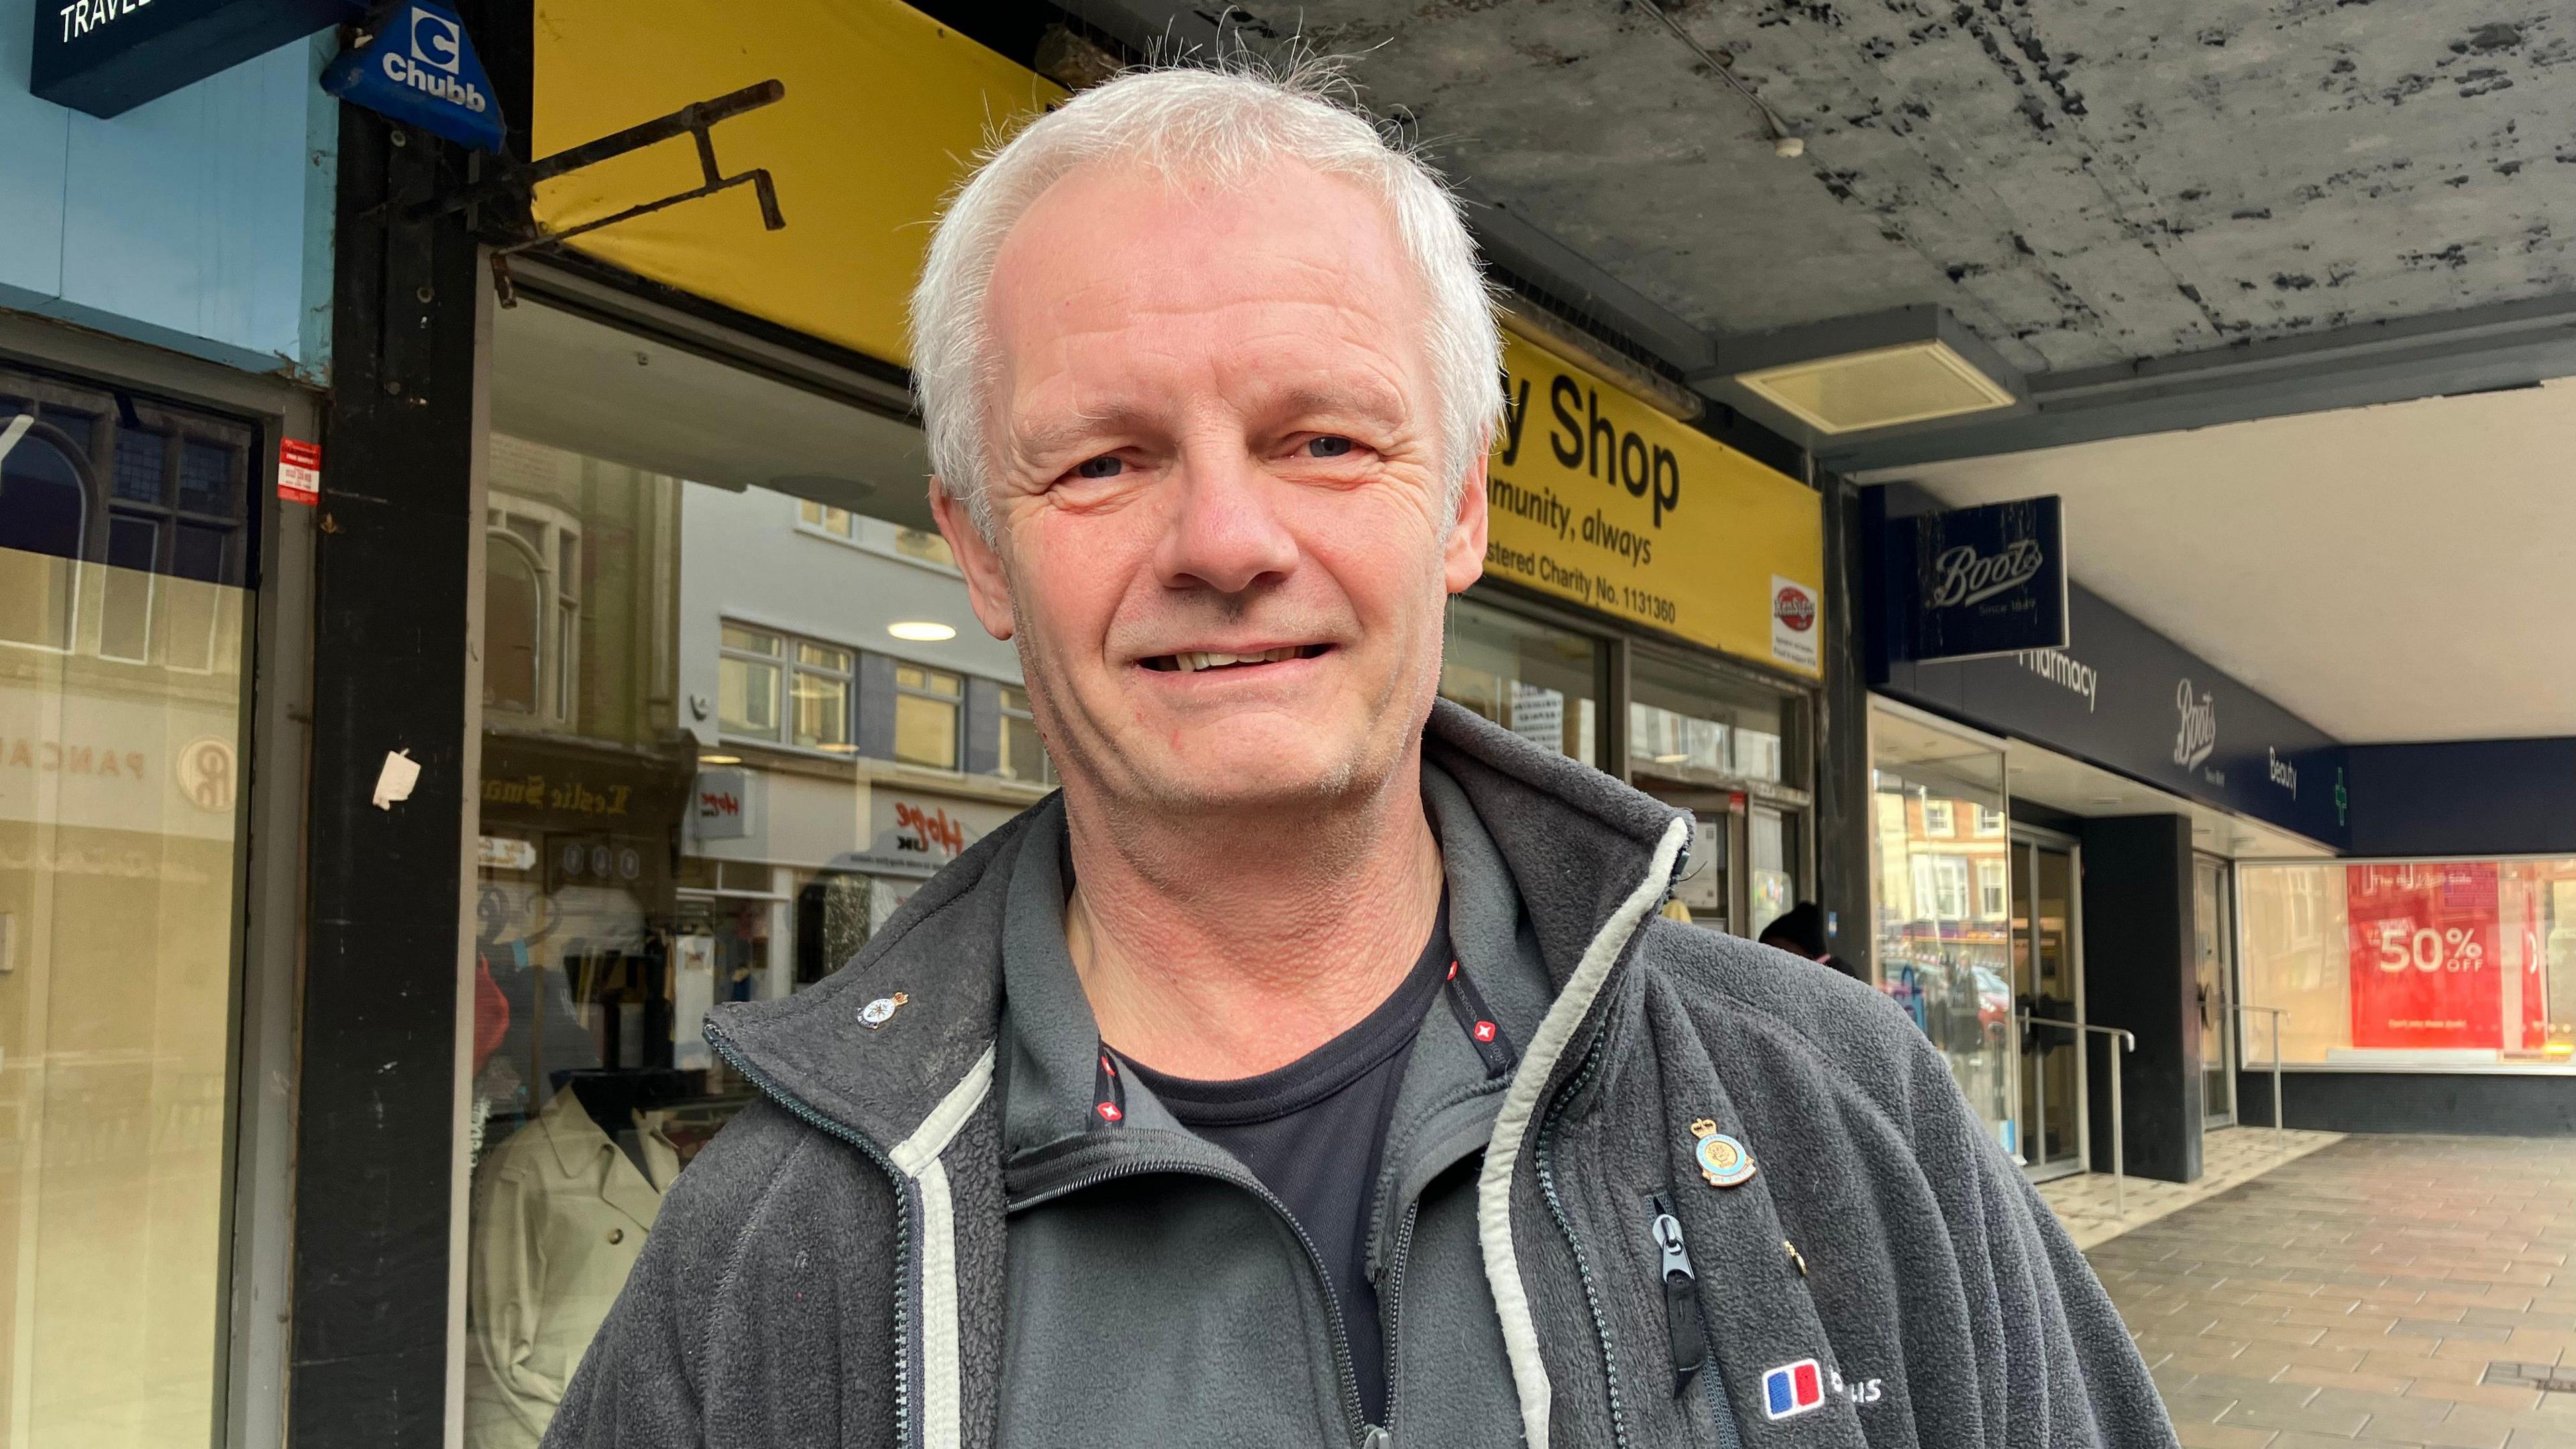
[747,681]
[531,610]
[920,545]
[926,715]
[1992,888]
[1940,818]
[1692,722]
[821,685]
[1022,756]
[1950,969]
[823,518]
[44,529]
[124,711]
[1541,683]
[642,862]
[2391,965]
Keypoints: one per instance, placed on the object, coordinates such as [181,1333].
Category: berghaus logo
[1964,576]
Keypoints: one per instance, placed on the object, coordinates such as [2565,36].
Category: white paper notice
[394,781]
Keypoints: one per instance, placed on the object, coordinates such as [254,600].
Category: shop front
[1651,606]
[164,289]
[2055,862]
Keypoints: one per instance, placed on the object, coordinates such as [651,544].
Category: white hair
[1220,125]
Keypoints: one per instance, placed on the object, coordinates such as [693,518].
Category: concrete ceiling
[2387,573]
[2092,187]
[2083,183]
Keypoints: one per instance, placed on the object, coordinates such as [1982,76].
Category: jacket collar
[1575,841]
[585,1153]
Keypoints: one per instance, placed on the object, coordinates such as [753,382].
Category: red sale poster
[2424,966]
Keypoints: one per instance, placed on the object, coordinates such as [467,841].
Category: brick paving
[2378,1292]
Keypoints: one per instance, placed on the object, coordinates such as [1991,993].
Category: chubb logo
[437,49]
[435,42]
[1963,576]
[2198,735]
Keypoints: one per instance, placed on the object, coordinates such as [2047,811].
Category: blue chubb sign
[420,68]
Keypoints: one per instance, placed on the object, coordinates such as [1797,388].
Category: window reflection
[2395,964]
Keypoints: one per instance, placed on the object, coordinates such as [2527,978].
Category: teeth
[1191,661]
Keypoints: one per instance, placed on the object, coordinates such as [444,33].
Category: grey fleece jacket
[837,1268]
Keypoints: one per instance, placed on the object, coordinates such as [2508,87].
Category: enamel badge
[880,1011]
[1722,1159]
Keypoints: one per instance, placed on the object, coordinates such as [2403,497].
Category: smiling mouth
[1191,661]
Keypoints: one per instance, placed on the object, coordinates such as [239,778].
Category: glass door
[2048,992]
[2213,935]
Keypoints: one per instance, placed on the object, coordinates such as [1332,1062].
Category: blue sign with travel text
[420,68]
[1979,581]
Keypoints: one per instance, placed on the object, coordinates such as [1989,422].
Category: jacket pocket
[1698,1391]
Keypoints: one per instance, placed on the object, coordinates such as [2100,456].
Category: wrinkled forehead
[1116,249]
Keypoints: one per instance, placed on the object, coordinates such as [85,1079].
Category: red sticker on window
[299,471]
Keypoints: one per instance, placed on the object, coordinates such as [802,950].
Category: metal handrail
[2280,1140]
[2119,1138]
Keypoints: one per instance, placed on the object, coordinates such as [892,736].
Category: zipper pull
[1682,1327]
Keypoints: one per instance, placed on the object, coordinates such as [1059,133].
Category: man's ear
[988,586]
[1463,558]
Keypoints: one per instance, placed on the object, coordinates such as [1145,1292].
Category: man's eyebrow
[1062,435]
[1374,403]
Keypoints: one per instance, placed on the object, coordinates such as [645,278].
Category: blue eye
[1327,447]
[1101,468]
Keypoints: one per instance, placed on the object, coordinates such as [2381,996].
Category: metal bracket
[518,183]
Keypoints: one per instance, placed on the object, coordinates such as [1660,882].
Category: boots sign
[1979,581]
[2115,693]
[1598,498]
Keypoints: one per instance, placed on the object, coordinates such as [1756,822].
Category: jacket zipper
[1362,1432]
[903,1325]
[1391,1302]
[1682,1329]
[1686,1321]
[1565,1226]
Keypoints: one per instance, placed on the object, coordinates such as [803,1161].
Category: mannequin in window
[561,1211]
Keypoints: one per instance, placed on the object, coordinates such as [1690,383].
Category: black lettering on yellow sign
[1587,437]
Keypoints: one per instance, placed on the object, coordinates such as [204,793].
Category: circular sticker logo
[1795,608]
[207,774]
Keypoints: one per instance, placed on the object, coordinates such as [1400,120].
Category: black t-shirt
[1313,1132]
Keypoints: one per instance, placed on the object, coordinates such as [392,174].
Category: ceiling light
[838,749]
[1913,365]
[1670,759]
[719,759]
[921,631]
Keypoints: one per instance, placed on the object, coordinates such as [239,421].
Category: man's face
[1217,438]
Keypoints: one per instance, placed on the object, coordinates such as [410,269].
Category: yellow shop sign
[1600,499]
[885,109]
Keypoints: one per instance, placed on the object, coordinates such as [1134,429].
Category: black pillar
[2137,976]
[1845,826]
[376,1090]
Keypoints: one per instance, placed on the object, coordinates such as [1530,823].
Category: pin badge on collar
[1722,1160]
[880,1011]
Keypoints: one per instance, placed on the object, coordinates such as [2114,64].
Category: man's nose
[1224,531]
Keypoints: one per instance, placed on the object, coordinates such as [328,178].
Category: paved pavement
[2380,1291]
[2094,1206]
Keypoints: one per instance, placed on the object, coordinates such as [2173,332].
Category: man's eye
[1100,468]
[1327,447]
